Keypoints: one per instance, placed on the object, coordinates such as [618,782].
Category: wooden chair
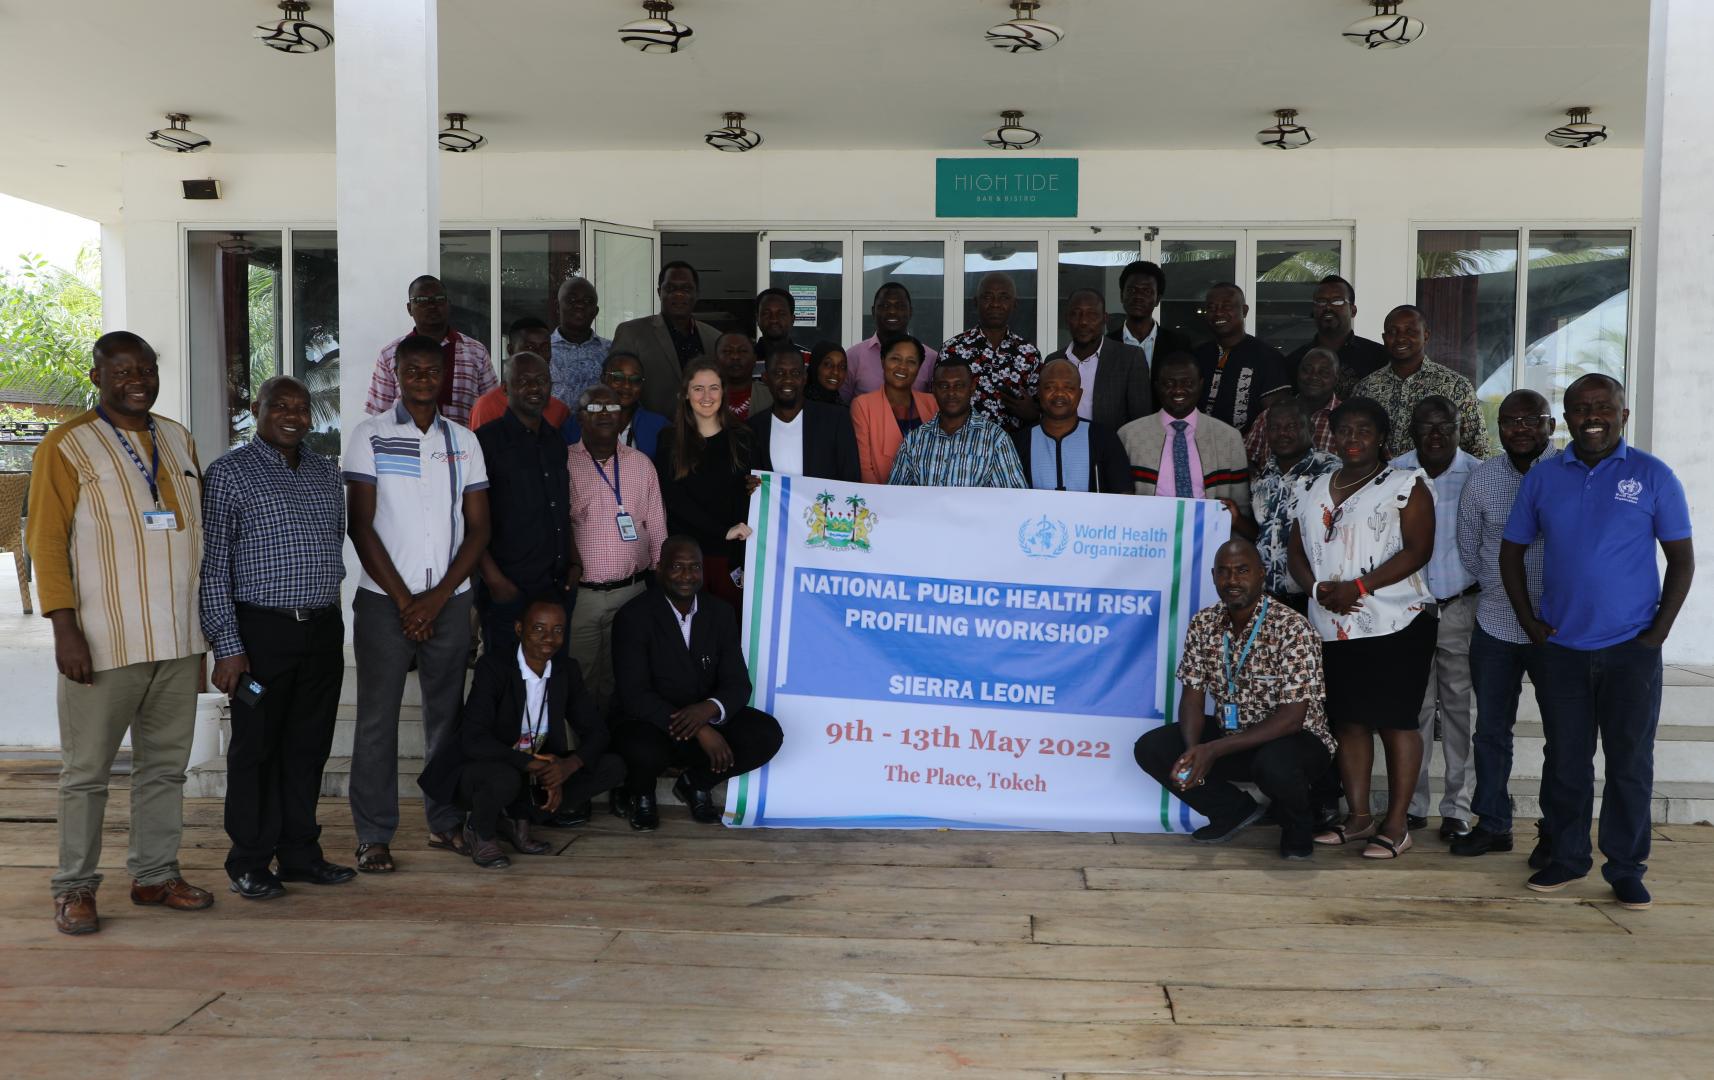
[14,487]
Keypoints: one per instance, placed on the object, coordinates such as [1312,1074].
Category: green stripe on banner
[755,594]
[1172,648]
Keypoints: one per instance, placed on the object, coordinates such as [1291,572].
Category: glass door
[622,262]
[918,262]
[980,254]
[811,266]
[1091,259]
[1288,267]
[1193,261]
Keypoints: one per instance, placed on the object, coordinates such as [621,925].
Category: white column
[112,277]
[387,105]
[1675,382]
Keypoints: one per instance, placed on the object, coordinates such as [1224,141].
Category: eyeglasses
[425,301]
[599,407]
[619,378]
[1329,303]
[1522,423]
[1331,520]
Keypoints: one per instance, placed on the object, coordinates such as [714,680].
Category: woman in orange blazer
[883,417]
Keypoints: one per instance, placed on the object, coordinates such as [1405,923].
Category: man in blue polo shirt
[1599,509]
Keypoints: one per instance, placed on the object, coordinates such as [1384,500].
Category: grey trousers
[157,701]
[384,657]
[589,638]
[1450,694]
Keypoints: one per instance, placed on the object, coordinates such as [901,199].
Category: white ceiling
[818,74]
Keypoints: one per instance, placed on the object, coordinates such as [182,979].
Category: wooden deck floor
[701,952]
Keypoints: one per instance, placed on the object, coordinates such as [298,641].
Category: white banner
[966,658]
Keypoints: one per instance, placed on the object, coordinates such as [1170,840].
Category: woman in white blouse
[1359,543]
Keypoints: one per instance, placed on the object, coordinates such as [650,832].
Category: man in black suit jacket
[683,691]
[1115,377]
[516,733]
[796,436]
[1142,286]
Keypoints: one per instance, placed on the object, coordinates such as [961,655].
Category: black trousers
[754,736]
[279,748]
[1283,769]
[487,789]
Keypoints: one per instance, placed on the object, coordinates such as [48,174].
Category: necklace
[1337,486]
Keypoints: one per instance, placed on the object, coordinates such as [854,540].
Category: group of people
[583,516]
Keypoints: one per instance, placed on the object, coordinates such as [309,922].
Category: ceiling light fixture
[178,138]
[1012,135]
[1385,29]
[657,33]
[456,139]
[1286,133]
[1577,133]
[1023,32]
[292,33]
[734,138]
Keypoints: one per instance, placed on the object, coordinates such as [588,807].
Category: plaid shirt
[1399,396]
[595,513]
[1013,366]
[979,454]
[273,536]
[1483,510]
[1320,434]
[576,366]
[471,372]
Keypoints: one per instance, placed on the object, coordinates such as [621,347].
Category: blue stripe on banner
[1196,578]
[783,525]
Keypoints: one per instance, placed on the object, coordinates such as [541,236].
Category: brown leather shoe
[178,894]
[74,912]
[516,831]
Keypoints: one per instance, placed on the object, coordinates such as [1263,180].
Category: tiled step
[1674,802]
[1690,705]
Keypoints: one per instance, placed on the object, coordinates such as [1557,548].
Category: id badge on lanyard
[627,527]
[159,519]
[1227,711]
[626,524]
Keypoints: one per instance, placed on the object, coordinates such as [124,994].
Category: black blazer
[829,443]
[1124,386]
[492,715]
[655,675]
[1167,342]
[1109,465]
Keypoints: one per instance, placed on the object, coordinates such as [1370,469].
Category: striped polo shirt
[420,479]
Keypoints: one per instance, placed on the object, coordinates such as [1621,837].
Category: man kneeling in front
[1261,662]
[682,692]
[513,760]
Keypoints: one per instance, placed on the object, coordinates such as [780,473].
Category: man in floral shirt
[1290,465]
[1004,366]
[1261,663]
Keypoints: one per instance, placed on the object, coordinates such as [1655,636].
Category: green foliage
[49,318]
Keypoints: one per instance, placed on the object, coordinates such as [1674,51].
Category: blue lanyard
[613,484]
[152,472]
[1226,668]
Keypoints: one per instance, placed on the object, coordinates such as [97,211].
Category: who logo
[1043,538]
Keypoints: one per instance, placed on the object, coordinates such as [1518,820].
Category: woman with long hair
[827,371]
[1359,542]
[882,418]
[703,459]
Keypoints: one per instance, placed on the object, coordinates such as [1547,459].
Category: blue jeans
[1497,670]
[1614,693]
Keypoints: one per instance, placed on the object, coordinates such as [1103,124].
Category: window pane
[1093,264]
[813,271]
[1192,267]
[315,332]
[1467,288]
[235,341]
[624,268]
[533,263]
[1577,309]
[1287,272]
[464,268]
[918,265]
[1015,258]
[726,268]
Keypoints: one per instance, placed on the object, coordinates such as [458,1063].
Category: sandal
[1382,846]
[1342,833]
[375,859]
[454,841]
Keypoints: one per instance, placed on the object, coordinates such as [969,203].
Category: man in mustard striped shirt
[115,530]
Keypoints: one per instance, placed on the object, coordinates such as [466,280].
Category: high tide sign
[1005,187]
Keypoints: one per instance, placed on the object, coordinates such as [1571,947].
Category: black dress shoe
[320,873]
[1415,821]
[1451,828]
[701,803]
[1480,841]
[1296,843]
[644,816]
[258,885]
[566,817]
[619,804]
